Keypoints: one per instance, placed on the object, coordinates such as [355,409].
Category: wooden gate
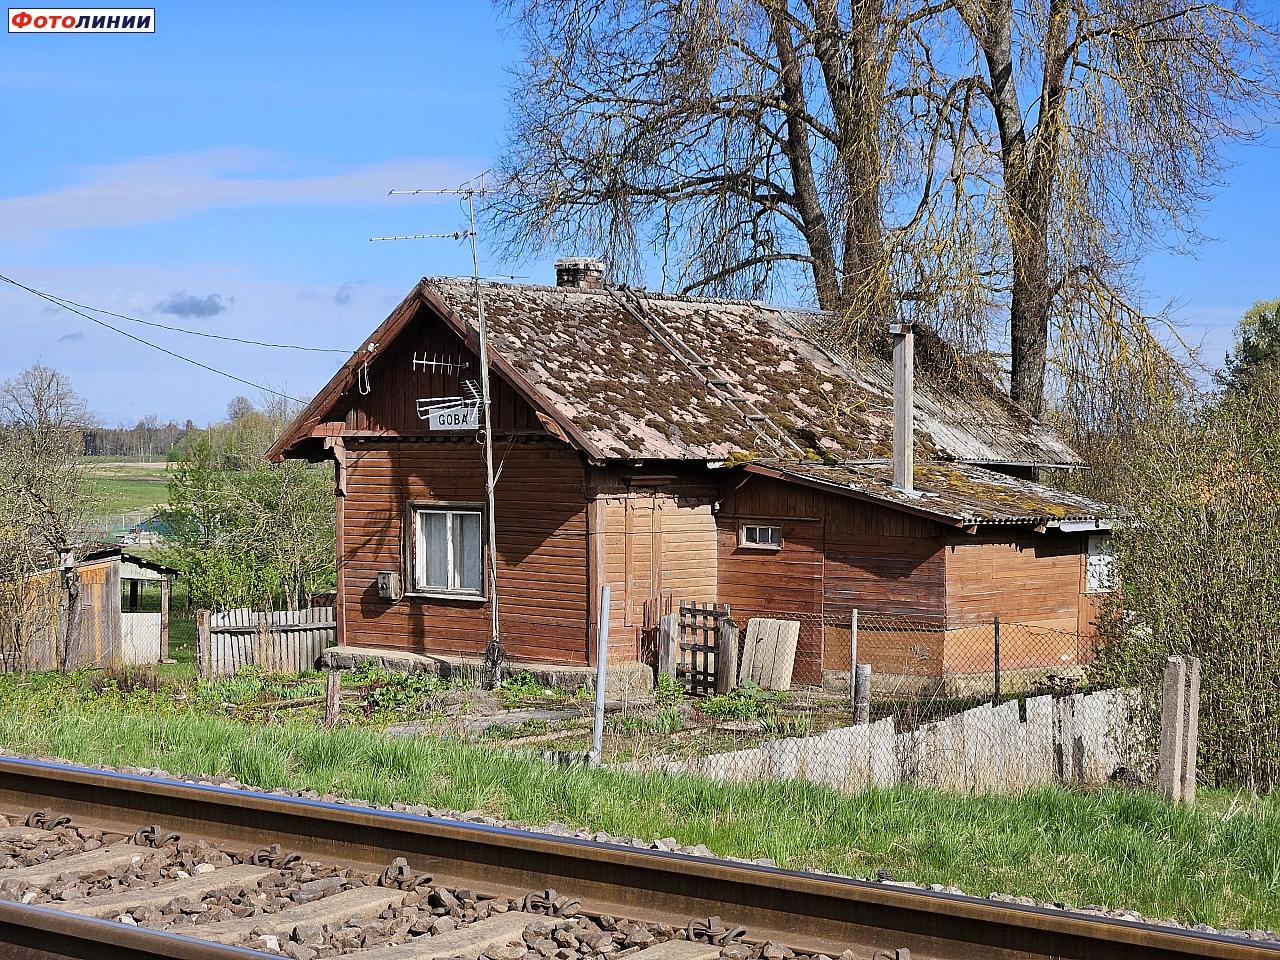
[700,647]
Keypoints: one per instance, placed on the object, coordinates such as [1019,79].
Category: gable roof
[957,494]
[627,374]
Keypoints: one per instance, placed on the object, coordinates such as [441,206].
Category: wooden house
[676,449]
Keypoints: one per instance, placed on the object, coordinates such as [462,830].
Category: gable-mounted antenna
[494,655]
[448,363]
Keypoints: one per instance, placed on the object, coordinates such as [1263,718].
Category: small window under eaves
[760,536]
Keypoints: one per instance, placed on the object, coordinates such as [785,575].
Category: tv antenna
[494,655]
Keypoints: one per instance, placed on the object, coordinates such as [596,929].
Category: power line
[148,343]
[63,302]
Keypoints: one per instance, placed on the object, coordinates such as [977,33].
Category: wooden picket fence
[278,641]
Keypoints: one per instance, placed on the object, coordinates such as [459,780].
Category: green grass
[121,486]
[124,494]
[1217,862]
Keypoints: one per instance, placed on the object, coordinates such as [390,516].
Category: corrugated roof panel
[963,493]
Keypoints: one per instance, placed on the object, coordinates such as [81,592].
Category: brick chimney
[584,273]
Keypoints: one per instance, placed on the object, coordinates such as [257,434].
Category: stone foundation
[629,681]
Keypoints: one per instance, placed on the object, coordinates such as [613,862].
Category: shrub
[669,690]
[1199,570]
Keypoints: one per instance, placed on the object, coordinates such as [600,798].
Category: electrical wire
[148,343]
[64,302]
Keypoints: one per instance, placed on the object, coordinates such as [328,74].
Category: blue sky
[227,171]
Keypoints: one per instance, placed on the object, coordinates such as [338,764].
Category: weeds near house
[668,720]
[749,701]
[789,726]
[387,692]
[251,685]
[524,686]
[669,691]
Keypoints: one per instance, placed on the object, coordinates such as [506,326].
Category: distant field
[125,486]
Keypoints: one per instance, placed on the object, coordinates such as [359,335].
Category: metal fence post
[853,660]
[995,696]
[602,655]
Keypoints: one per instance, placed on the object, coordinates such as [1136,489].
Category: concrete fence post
[862,694]
[204,653]
[1191,730]
[1179,729]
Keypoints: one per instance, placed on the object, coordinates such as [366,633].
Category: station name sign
[458,418]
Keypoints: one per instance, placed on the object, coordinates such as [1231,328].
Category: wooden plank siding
[836,554]
[1019,576]
[99,613]
[1034,580]
[786,583]
[390,407]
[659,548]
[542,548]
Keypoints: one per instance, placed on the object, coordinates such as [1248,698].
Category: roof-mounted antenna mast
[494,655]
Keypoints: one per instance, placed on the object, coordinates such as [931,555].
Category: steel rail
[806,911]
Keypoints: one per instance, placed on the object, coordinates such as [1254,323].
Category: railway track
[118,866]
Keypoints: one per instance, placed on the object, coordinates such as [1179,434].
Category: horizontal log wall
[542,548]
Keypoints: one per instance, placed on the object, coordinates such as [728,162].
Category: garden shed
[124,613]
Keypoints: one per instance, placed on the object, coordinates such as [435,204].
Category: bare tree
[41,438]
[1111,117]
[993,169]
[747,142]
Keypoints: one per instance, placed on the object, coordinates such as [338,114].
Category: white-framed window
[448,549]
[762,536]
[1099,564]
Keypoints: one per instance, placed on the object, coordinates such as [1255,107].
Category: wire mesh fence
[987,705]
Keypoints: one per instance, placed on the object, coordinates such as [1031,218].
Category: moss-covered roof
[649,376]
[961,494]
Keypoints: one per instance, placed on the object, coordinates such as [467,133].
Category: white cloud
[170,187]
